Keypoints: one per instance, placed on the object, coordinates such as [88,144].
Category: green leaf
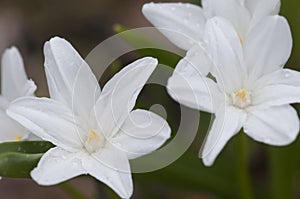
[17,159]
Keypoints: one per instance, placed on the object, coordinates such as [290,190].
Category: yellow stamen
[241,39]
[242,94]
[93,136]
[18,138]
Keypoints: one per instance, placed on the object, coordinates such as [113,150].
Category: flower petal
[48,119]
[267,47]
[279,77]
[227,123]
[275,95]
[188,84]
[262,8]
[233,10]
[10,129]
[14,81]
[69,77]
[57,165]
[120,93]
[277,88]
[225,50]
[263,125]
[111,168]
[181,23]
[141,133]
[196,92]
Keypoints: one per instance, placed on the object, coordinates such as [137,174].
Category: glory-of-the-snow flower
[14,84]
[183,23]
[95,132]
[247,88]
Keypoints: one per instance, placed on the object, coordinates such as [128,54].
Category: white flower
[96,132]
[14,84]
[251,89]
[183,23]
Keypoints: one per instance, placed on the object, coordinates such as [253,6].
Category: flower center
[241,98]
[94,141]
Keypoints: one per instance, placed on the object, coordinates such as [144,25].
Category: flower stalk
[243,177]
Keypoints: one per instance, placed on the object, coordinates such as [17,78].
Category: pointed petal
[48,119]
[181,23]
[120,93]
[111,168]
[233,10]
[194,90]
[226,124]
[14,81]
[279,77]
[57,165]
[262,8]
[267,47]
[225,50]
[277,88]
[188,84]
[263,125]
[195,61]
[275,95]
[142,133]
[69,77]
[10,129]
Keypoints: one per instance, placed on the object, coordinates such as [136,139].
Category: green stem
[282,172]
[244,182]
[72,191]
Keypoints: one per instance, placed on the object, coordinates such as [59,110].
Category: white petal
[275,95]
[14,81]
[277,125]
[262,8]
[267,47]
[226,124]
[279,77]
[225,50]
[141,133]
[69,77]
[188,84]
[57,165]
[195,91]
[111,168]
[233,10]
[181,23]
[195,61]
[10,129]
[120,93]
[48,119]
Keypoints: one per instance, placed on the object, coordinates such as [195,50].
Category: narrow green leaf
[25,147]
[17,159]
[18,165]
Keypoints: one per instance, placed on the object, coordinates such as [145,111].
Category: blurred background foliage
[274,171]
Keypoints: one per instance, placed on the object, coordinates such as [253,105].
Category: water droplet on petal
[287,74]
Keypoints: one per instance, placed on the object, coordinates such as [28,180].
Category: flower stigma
[241,98]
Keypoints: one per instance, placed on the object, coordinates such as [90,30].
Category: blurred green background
[274,171]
